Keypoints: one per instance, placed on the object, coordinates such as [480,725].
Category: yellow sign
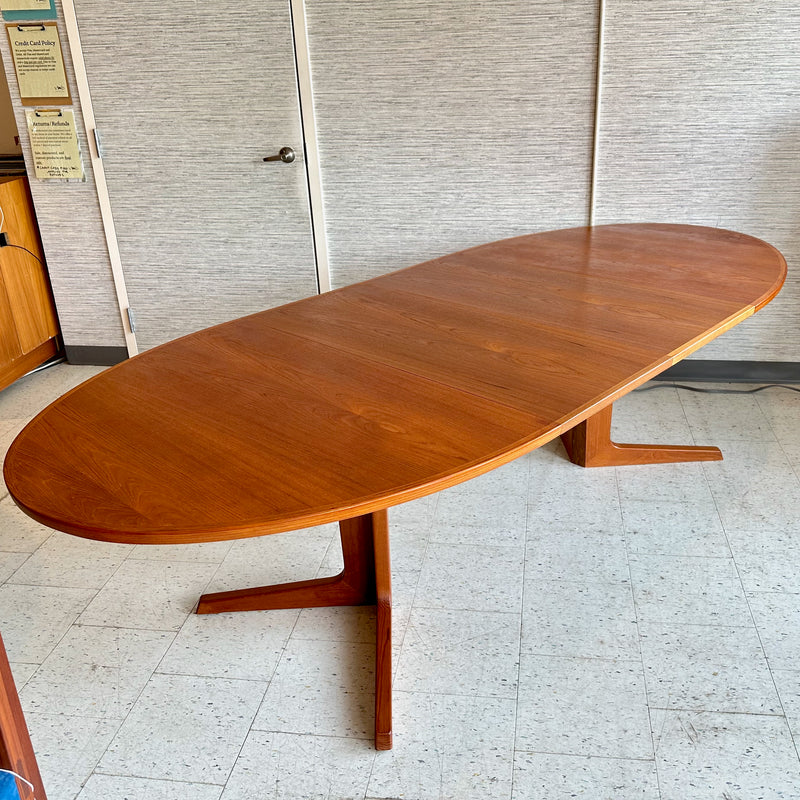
[54,142]
[39,63]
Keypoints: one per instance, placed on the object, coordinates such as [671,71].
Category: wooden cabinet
[29,332]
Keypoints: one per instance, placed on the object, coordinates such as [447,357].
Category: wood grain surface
[347,403]
[16,751]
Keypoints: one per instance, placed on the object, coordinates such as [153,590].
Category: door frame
[310,147]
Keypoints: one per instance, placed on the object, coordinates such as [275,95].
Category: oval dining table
[339,406]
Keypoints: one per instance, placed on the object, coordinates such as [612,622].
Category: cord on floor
[666,385]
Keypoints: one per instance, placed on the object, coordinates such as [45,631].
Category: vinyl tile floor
[607,634]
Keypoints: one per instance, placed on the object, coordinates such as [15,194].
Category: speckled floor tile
[207,552]
[106,787]
[337,624]
[471,577]
[34,618]
[781,407]
[787,682]
[580,706]
[460,652]
[573,497]
[285,766]
[322,688]
[706,756]
[707,668]
[754,487]
[447,748]
[22,673]
[235,645]
[676,483]
[67,750]
[669,528]
[184,728]
[416,512]
[652,416]
[10,563]
[547,776]
[18,532]
[683,590]
[593,555]
[478,519]
[154,595]
[768,561]
[280,558]
[725,417]
[777,618]
[65,560]
[593,620]
[506,481]
[581,692]
[95,672]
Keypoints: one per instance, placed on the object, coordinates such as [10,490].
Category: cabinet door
[188,106]
[26,283]
[9,343]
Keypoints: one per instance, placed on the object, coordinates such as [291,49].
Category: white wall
[699,123]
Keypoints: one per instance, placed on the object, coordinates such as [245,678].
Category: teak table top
[344,404]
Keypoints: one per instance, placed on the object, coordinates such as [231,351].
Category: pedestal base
[365,580]
[589,445]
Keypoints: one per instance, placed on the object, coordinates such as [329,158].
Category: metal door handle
[286,154]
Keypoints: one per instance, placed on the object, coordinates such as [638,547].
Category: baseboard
[733,371]
[689,370]
[91,355]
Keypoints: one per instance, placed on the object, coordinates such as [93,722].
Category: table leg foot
[383,638]
[589,445]
[353,586]
[365,580]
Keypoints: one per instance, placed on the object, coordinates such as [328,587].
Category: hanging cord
[15,777]
[20,247]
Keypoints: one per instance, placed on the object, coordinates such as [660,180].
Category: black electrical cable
[20,247]
[666,385]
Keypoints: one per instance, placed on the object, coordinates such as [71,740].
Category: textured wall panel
[72,232]
[447,124]
[700,123]
[188,105]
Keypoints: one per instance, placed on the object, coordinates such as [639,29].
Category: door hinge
[98,145]
[131,319]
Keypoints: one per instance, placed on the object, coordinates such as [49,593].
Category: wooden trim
[16,750]
[87,112]
[311,145]
[25,363]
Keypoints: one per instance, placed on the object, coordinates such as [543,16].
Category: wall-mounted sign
[39,63]
[28,9]
[54,144]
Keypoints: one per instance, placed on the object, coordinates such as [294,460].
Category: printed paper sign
[39,63]
[54,142]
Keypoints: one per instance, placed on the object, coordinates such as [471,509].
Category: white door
[187,107]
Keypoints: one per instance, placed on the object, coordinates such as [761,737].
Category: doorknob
[285,154]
